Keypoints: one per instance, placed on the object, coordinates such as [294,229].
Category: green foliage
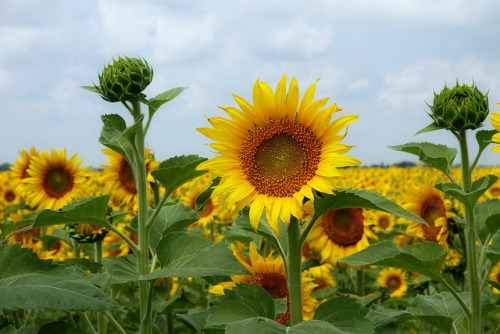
[30,283]
[185,255]
[437,156]
[469,199]
[346,314]
[176,171]
[425,258]
[156,102]
[117,136]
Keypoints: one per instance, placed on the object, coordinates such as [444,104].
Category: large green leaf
[122,269]
[346,314]
[185,255]
[487,214]
[440,310]
[425,258]
[176,171]
[244,301]
[437,156]
[493,249]
[117,136]
[483,138]
[170,218]
[90,210]
[357,198]
[28,282]
[267,326]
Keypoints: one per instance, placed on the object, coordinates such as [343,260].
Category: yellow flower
[382,221]
[322,275]
[429,204]
[270,274]
[495,121]
[53,180]
[393,279]
[453,258]
[495,276]
[339,233]
[20,168]
[276,152]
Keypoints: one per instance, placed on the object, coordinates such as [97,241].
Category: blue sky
[380,59]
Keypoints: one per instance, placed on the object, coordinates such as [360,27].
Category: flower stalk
[294,271]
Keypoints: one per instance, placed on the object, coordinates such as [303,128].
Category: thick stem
[360,275]
[101,318]
[294,272]
[143,233]
[470,240]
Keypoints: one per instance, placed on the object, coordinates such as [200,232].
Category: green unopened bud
[459,108]
[124,79]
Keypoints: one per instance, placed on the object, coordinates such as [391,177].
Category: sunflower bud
[88,233]
[459,108]
[124,80]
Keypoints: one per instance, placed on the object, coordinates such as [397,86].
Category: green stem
[101,319]
[156,212]
[115,322]
[470,240]
[360,282]
[294,271]
[87,321]
[142,217]
[129,242]
[456,295]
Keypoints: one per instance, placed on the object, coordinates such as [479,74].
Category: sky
[380,59]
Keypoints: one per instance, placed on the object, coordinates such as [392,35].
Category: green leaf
[170,218]
[85,264]
[483,138]
[244,301]
[440,310]
[121,268]
[357,198]
[346,314]
[162,98]
[437,156]
[316,327]
[425,258]
[176,171]
[493,249]
[90,210]
[28,282]
[478,188]
[184,255]
[203,197]
[256,325]
[429,128]
[494,284]
[90,88]
[487,218]
[23,330]
[116,136]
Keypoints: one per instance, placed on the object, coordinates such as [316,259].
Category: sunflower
[495,121]
[322,275]
[429,204]
[393,279]
[495,276]
[54,181]
[339,233]
[382,221]
[119,177]
[9,196]
[270,274]
[276,152]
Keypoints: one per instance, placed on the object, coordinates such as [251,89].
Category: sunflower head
[393,279]
[277,152]
[88,233]
[124,79]
[459,108]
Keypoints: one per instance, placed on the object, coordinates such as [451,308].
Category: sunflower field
[281,232]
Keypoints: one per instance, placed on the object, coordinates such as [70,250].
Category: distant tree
[4,167]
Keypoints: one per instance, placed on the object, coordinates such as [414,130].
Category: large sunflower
[429,204]
[270,274]
[53,180]
[275,152]
[339,233]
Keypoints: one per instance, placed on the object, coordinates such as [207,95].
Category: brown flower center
[9,196]
[127,177]
[275,284]
[384,223]
[431,209]
[393,282]
[57,182]
[280,157]
[344,226]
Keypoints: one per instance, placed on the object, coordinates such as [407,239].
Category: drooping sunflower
[495,276]
[429,204]
[339,233]
[53,180]
[270,274]
[495,121]
[274,153]
[393,279]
